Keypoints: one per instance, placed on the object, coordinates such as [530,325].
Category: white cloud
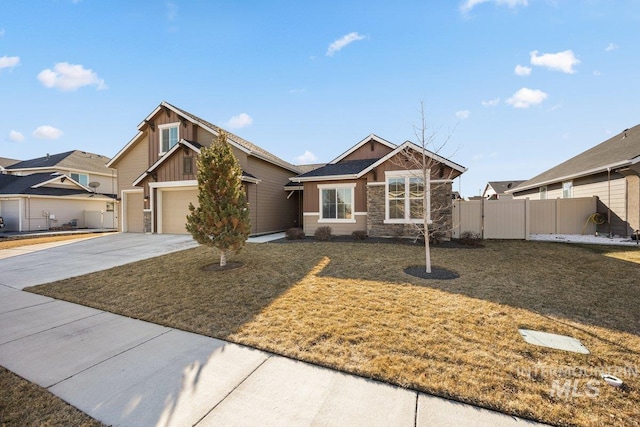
[463,114]
[65,76]
[2,32]
[306,158]
[466,6]
[47,132]
[521,70]
[612,46]
[16,136]
[524,98]
[9,61]
[343,42]
[561,61]
[491,102]
[240,121]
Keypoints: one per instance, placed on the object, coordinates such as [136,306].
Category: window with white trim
[567,189]
[169,136]
[336,202]
[81,178]
[404,197]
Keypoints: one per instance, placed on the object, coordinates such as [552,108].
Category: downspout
[609,200]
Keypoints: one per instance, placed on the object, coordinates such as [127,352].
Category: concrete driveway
[75,259]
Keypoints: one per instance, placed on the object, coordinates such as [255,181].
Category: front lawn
[351,307]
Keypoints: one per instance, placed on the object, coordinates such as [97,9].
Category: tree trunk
[223,258]
[427,250]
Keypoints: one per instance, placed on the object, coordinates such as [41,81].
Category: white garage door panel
[10,212]
[175,208]
[134,206]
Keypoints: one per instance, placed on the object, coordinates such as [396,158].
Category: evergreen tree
[222,218]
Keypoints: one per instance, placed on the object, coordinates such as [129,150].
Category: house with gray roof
[157,172]
[4,162]
[375,187]
[609,170]
[496,189]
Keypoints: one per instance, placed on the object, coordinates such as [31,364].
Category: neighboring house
[157,175]
[88,169]
[496,189]
[367,189]
[610,171]
[51,200]
[4,162]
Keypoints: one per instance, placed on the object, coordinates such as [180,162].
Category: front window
[405,194]
[567,190]
[336,202]
[80,178]
[168,137]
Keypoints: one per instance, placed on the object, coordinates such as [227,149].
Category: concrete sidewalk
[123,371]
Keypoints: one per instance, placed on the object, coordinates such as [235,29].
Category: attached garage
[173,208]
[133,207]
[10,211]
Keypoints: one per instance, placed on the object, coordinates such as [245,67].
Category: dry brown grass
[351,307]
[25,404]
[10,243]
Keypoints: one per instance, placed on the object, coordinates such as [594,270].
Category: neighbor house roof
[72,160]
[35,184]
[4,162]
[616,152]
[348,169]
[233,139]
[501,186]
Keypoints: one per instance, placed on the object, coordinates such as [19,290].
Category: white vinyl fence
[519,218]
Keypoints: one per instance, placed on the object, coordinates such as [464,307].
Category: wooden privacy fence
[519,218]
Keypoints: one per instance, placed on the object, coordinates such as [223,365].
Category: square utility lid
[559,342]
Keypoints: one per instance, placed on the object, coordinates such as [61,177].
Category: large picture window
[404,198]
[336,202]
[168,137]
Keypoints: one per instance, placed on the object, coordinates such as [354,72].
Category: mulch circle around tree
[436,273]
[216,267]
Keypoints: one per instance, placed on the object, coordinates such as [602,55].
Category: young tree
[222,218]
[423,157]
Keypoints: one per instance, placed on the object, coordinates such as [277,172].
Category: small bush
[359,235]
[323,234]
[295,234]
[470,238]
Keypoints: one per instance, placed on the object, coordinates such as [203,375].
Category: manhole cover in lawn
[559,342]
[436,273]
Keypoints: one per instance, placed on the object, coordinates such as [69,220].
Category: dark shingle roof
[614,152]
[76,159]
[351,167]
[14,184]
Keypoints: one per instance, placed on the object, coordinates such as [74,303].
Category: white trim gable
[360,144]
[61,177]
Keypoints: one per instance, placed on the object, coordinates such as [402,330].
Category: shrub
[323,234]
[295,234]
[470,238]
[359,235]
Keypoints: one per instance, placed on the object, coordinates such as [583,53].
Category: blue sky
[516,85]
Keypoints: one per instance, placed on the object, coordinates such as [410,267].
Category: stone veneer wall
[441,213]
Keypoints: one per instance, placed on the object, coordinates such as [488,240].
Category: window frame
[78,179]
[168,126]
[567,190]
[348,186]
[407,175]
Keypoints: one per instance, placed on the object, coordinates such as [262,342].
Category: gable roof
[193,146]
[501,186]
[74,160]
[361,143]
[234,140]
[616,152]
[354,169]
[35,184]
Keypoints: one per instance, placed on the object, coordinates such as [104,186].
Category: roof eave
[323,178]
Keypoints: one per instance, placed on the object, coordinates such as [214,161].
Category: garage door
[10,212]
[175,208]
[133,208]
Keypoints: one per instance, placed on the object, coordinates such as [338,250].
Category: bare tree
[434,176]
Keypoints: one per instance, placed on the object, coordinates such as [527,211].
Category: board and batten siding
[370,150]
